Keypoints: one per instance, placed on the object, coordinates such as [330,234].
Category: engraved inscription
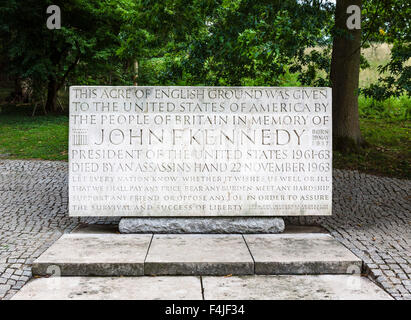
[200,151]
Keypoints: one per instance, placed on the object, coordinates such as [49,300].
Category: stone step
[320,287]
[198,255]
[94,255]
[303,253]
[108,254]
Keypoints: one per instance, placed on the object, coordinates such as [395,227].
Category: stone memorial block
[200,151]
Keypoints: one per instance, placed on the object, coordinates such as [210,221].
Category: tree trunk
[135,78]
[52,89]
[345,71]
[18,90]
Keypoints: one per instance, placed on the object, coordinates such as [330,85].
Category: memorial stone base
[214,225]
[105,265]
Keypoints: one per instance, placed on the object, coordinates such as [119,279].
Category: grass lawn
[25,137]
[46,137]
[388,153]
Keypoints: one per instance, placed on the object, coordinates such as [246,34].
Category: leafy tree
[263,40]
[89,36]
[162,29]
[254,39]
[389,22]
[383,21]
[213,42]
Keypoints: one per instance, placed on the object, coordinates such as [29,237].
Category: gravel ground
[371,216]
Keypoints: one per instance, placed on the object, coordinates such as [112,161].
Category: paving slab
[94,254]
[109,288]
[198,255]
[296,287]
[310,253]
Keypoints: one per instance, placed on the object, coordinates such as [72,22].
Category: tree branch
[369,30]
[70,69]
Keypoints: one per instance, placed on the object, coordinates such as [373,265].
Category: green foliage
[388,21]
[202,42]
[391,109]
[209,42]
[314,67]
[88,40]
[379,25]
[244,39]
[398,80]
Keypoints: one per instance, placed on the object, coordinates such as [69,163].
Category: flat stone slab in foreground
[220,288]
[104,288]
[198,255]
[94,254]
[310,253]
[321,287]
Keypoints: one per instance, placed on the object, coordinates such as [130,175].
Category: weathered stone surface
[106,254]
[107,288]
[200,151]
[215,288]
[314,253]
[321,287]
[94,254]
[198,255]
[201,225]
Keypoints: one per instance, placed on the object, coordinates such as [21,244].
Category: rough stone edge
[210,225]
[87,269]
[198,268]
[308,267]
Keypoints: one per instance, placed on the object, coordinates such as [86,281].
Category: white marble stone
[109,288]
[305,253]
[322,287]
[200,151]
[195,254]
[102,254]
